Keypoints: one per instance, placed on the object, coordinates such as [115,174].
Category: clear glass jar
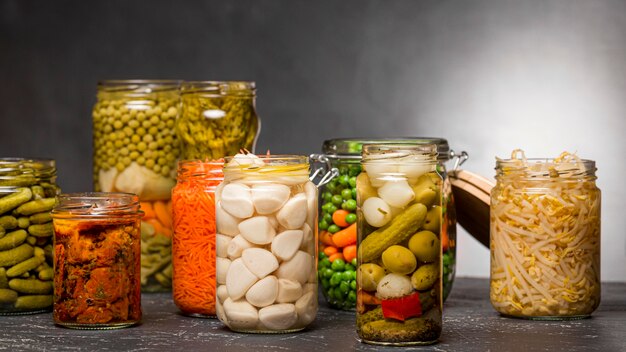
[194,240]
[218,119]
[97,260]
[27,194]
[135,151]
[545,238]
[399,265]
[339,193]
[267,208]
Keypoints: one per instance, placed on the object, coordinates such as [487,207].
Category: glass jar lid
[24,171]
[350,148]
[97,205]
[219,88]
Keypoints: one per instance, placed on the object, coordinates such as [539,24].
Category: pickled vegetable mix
[545,237]
[399,276]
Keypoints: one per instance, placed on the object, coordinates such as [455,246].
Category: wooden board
[472,197]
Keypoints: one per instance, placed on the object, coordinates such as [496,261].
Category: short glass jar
[399,265]
[338,192]
[194,239]
[545,238]
[97,260]
[218,119]
[135,151]
[27,195]
[266,276]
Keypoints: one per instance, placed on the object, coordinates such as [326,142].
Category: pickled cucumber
[33,302]
[398,229]
[29,286]
[370,316]
[414,329]
[12,240]
[425,276]
[7,296]
[36,206]
[8,202]
[16,255]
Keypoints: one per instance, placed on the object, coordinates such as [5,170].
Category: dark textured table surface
[470,324]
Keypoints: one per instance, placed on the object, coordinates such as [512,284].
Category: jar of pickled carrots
[266,208]
[218,119]
[399,267]
[135,151]
[97,260]
[27,195]
[194,240]
[337,214]
[545,238]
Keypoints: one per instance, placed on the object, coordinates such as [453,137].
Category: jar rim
[219,88]
[545,168]
[138,85]
[97,205]
[14,167]
[346,148]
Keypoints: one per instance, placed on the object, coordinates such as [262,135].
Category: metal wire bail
[459,159]
[326,177]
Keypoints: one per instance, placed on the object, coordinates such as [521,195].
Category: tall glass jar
[545,238]
[267,209]
[97,260]
[336,263]
[218,119]
[399,266]
[195,238]
[27,195]
[135,151]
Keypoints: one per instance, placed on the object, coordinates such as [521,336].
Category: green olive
[425,276]
[368,275]
[433,219]
[425,245]
[399,260]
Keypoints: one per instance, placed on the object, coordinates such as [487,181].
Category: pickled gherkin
[217,119]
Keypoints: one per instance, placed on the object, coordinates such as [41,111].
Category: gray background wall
[488,75]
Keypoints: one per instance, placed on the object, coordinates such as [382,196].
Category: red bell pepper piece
[402,308]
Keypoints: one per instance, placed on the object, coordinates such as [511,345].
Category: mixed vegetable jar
[218,119]
[399,266]
[337,216]
[97,260]
[545,238]
[135,151]
[27,195]
[194,239]
[266,209]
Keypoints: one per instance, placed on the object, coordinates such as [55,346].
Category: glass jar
[218,119]
[344,156]
[135,151]
[194,240]
[399,265]
[97,260]
[267,209]
[27,194]
[545,238]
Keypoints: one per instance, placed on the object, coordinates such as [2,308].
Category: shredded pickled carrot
[193,243]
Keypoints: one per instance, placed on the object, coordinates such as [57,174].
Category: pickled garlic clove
[257,230]
[237,200]
[268,198]
[311,201]
[239,279]
[259,261]
[278,316]
[226,223]
[297,268]
[288,291]
[396,193]
[240,314]
[293,214]
[264,292]
[221,269]
[287,243]
[236,247]
[221,245]
[221,293]
[376,212]
[306,308]
[308,239]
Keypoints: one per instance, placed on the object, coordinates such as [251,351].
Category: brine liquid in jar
[266,277]
[399,266]
[545,238]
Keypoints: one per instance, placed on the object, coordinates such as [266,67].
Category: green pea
[351,218]
[335,279]
[347,275]
[352,181]
[354,193]
[328,218]
[343,180]
[330,293]
[337,200]
[323,225]
[333,228]
[325,283]
[353,284]
[346,194]
[350,205]
[349,267]
[355,170]
[327,196]
[343,170]
[352,295]
[322,255]
[332,208]
[325,263]
[338,293]
[338,265]
[344,287]
[331,186]
[353,262]
[328,273]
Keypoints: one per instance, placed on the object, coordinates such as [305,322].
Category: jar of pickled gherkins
[545,238]
[195,238]
[266,208]
[27,195]
[97,260]
[399,266]
[337,214]
[135,151]
[218,119]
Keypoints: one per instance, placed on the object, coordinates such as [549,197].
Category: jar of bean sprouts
[545,238]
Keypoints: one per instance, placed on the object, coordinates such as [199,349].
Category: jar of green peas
[340,164]
[135,151]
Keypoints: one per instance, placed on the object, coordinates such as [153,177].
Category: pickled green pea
[353,284]
[352,294]
[348,267]
[352,181]
[323,225]
[327,196]
[328,218]
[337,200]
[325,263]
[322,255]
[335,279]
[328,273]
[346,194]
[343,180]
[338,264]
[332,208]
[347,275]
[351,218]
[338,293]
[344,287]
[350,205]
[333,228]
[325,283]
